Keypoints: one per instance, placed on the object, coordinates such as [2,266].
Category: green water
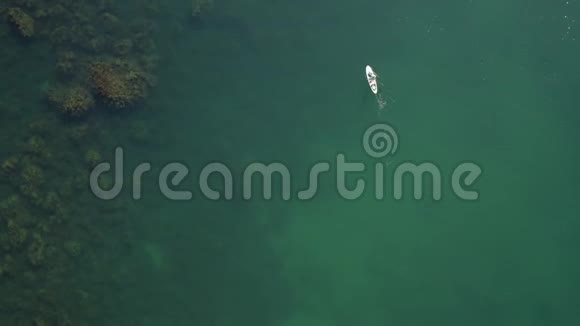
[492,82]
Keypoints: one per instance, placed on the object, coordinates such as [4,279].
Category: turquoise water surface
[489,82]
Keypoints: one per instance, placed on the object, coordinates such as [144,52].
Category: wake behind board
[372,79]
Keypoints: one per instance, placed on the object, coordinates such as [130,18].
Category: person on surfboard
[372,79]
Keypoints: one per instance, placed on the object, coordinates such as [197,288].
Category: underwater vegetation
[101,57]
[59,244]
[22,21]
[119,83]
[74,100]
[52,232]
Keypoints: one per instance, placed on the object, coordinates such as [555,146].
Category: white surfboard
[372,79]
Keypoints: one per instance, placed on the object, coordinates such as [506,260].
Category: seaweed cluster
[52,229]
[22,21]
[119,83]
[54,255]
[73,100]
[94,45]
